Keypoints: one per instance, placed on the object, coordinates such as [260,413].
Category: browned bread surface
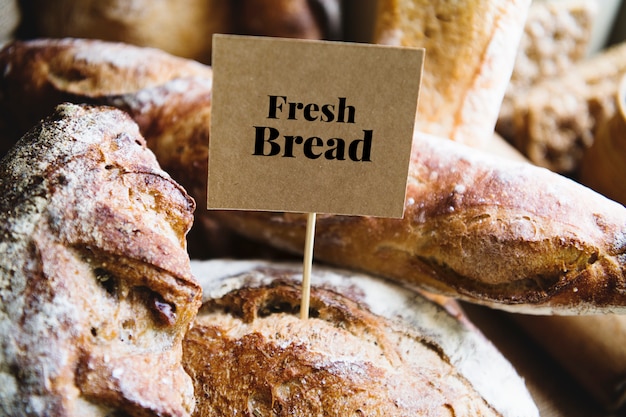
[368,348]
[470,53]
[475,227]
[39,74]
[96,290]
[490,230]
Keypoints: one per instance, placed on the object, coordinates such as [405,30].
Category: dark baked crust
[492,231]
[96,291]
[368,348]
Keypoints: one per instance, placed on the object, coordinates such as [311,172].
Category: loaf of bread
[96,290]
[181,27]
[368,348]
[557,35]
[470,52]
[489,230]
[556,120]
[39,74]
[603,165]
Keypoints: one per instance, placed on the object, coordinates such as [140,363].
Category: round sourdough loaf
[96,290]
[368,348]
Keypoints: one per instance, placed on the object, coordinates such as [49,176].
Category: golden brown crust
[96,289]
[491,231]
[367,348]
[470,52]
[39,74]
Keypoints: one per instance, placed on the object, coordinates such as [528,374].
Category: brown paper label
[311,126]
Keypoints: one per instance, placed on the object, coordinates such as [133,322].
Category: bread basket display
[500,292]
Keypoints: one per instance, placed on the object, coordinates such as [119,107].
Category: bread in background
[181,27]
[557,34]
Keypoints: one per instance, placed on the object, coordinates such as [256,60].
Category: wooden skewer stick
[308,263]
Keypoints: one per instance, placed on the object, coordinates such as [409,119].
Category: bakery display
[369,348]
[96,290]
[480,233]
[477,232]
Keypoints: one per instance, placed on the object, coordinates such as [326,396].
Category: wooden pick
[307,266]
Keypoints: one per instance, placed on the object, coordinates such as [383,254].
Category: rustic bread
[603,165]
[556,120]
[489,230]
[182,28]
[39,74]
[368,348]
[96,291]
[168,97]
[470,52]
[557,34]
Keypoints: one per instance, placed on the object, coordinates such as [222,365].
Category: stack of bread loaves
[103,138]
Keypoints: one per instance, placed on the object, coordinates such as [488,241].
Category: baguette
[489,230]
[96,290]
[369,347]
[39,74]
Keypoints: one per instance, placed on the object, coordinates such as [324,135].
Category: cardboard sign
[311,126]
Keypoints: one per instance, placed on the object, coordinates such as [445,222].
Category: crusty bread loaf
[493,231]
[470,51]
[556,35]
[168,97]
[96,291]
[556,120]
[368,348]
[39,74]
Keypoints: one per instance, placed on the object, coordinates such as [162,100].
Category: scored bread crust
[470,53]
[492,231]
[96,290]
[368,347]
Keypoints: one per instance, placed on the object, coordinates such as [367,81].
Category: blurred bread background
[562,111]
